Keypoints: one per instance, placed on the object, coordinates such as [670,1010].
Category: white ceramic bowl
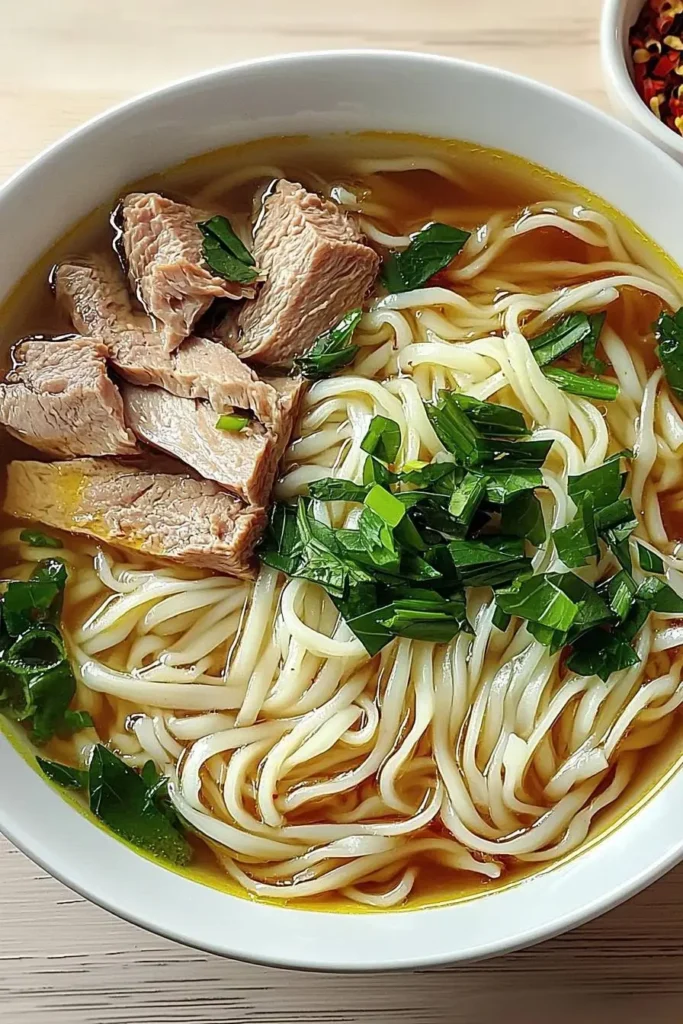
[323,93]
[617,18]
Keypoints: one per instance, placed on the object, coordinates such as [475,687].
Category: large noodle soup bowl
[313,94]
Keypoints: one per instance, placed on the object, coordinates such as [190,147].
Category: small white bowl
[617,18]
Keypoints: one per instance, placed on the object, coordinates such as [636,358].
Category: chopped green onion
[233,424]
[649,560]
[588,387]
[383,439]
[387,507]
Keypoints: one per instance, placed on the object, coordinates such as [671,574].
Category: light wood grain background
[67,962]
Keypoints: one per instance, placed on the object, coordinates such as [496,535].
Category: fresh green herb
[120,798]
[430,250]
[604,484]
[423,476]
[454,429]
[375,472]
[590,344]
[514,453]
[500,619]
[466,498]
[617,539]
[74,721]
[301,546]
[569,331]
[659,596]
[332,488]
[385,505]
[39,540]
[481,563]
[619,592]
[649,560]
[576,542]
[540,600]
[233,424]
[36,600]
[522,516]
[619,513]
[225,253]
[63,775]
[503,485]
[425,615]
[383,439]
[490,418]
[599,653]
[588,387]
[331,350]
[360,609]
[669,334]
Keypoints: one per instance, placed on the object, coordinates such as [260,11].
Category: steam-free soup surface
[426,772]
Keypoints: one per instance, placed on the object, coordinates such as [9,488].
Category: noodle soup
[302,765]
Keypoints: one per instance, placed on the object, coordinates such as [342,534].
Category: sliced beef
[317,269]
[164,250]
[164,514]
[92,294]
[59,399]
[244,462]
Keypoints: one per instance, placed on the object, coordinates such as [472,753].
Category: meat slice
[243,462]
[92,294]
[164,514]
[164,249]
[58,398]
[317,268]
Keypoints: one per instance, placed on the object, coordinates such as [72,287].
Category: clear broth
[490,181]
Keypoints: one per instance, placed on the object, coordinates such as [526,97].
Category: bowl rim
[613,29]
[617,889]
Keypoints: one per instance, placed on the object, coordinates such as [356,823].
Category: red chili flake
[656,42]
[665,64]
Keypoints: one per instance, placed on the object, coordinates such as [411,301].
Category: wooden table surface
[68,962]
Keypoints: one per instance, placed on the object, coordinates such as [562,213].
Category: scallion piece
[385,505]
[587,387]
[233,424]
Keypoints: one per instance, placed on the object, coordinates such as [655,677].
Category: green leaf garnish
[63,774]
[522,516]
[659,596]
[569,331]
[576,542]
[590,343]
[481,563]
[430,250]
[503,485]
[454,429]
[599,653]
[587,387]
[669,334]
[539,599]
[383,439]
[331,350]
[604,484]
[490,418]
[225,253]
[332,488]
[119,797]
[649,560]
[39,540]
[466,498]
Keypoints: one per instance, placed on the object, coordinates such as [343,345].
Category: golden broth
[487,182]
